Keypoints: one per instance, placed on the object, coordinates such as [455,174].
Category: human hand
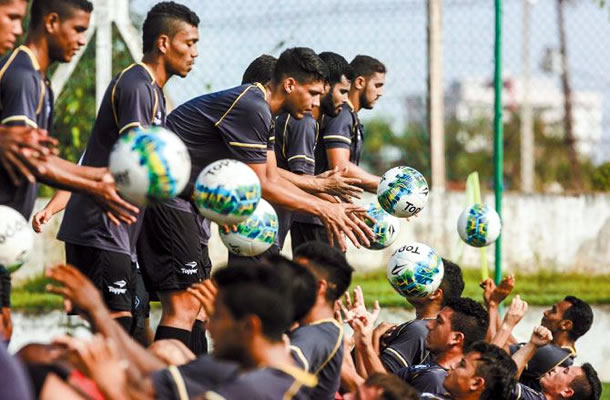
[337,220]
[75,287]
[382,333]
[41,218]
[117,209]
[21,144]
[206,293]
[6,327]
[334,183]
[502,291]
[515,312]
[541,336]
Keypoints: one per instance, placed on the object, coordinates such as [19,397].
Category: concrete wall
[566,233]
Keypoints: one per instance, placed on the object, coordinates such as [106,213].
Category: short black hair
[470,318]
[393,387]
[587,386]
[261,290]
[367,66]
[452,282]
[328,263]
[303,282]
[300,63]
[497,368]
[63,8]
[260,70]
[3,2]
[337,67]
[581,315]
[164,19]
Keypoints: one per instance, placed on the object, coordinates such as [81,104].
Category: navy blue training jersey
[522,392]
[545,359]
[318,348]
[26,99]
[343,131]
[233,123]
[133,99]
[295,142]
[426,378]
[406,346]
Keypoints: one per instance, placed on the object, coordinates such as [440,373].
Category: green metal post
[498,134]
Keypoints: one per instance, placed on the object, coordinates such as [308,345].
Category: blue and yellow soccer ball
[479,225]
[415,270]
[402,192]
[227,192]
[149,165]
[386,229]
[254,235]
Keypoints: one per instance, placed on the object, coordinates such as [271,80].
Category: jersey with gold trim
[26,99]
[545,359]
[522,392]
[233,123]
[426,378]
[295,143]
[406,346]
[318,348]
[343,131]
[132,99]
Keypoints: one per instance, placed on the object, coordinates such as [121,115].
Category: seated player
[317,344]
[572,382]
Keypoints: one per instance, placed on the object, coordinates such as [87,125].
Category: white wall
[566,233]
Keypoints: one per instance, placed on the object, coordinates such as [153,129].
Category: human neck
[354,97]
[427,310]
[157,68]
[562,339]
[275,98]
[466,396]
[320,310]
[449,358]
[39,46]
[266,353]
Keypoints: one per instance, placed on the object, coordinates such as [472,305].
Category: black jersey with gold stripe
[26,99]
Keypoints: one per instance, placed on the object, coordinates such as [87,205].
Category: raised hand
[75,287]
[541,336]
[515,312]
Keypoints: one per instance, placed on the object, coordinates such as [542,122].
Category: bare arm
[513,316]
[540,337]
[339,157]
[58,202]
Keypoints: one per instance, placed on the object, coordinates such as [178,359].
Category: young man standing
[104,251]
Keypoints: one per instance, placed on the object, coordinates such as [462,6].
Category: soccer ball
[402,192]
[415,270]
[479,225]
[386,229]
[150,164]
[254,235]
[227,192]
[16,239]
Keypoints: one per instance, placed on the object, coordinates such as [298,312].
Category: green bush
[601,177]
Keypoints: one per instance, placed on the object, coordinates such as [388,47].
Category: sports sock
[125,322]
[169,332]
[199,342]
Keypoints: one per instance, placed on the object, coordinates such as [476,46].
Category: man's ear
[163,44]
[566,325]
[436,295]
[322,287]
[253,325]
[457,339]
[359,83]
[477,383]
[567,392]
[289,84]
[51,22]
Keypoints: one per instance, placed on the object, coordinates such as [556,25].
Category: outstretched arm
[540,336]
[339,158]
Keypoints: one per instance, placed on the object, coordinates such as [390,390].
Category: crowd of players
[277,325]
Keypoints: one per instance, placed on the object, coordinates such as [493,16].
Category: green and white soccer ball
[386,229]
[227,192]
[149,165]
[254,235]
[402,192]
[415,270]
[479,225]
[16,239]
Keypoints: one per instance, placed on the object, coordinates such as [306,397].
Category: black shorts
[5,288]
[170,253]
[242,260]
[302,232]
[111,272]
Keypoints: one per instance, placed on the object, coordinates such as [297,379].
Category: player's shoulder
[133,77]
[326,327]
[19,64]
[307,122]
[344,116]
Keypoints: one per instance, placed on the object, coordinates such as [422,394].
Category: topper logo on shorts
[191,270]
[121,287]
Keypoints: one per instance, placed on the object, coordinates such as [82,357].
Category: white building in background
[473,98]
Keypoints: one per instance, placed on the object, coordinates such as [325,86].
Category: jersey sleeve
[21,98]
[338,131]
[271,140]
[409,348]
[133,103]
[245,127]
[522,392]
[299,144]
[312,347]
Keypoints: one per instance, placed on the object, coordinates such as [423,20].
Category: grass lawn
[542,288]
[606,391]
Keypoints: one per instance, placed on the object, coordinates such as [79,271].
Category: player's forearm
[306,183]
[492,310]
[86,172]
[369,182]
[523,356]
[60,174]
[370,359]
[283,193]
[58,202]
[350,380]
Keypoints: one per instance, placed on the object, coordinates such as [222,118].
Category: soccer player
[341,138]
[233,123]
[485,373]
[577,383]
[104,251]
[317,344]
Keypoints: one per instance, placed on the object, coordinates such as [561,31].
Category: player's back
[426,378]
[406,346]
[318,348]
